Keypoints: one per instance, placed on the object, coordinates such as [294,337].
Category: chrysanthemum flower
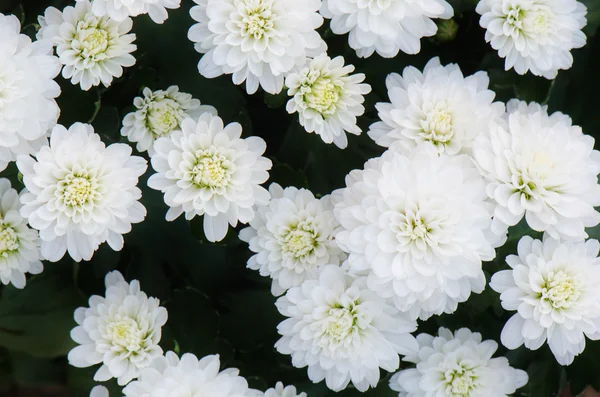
[120,10]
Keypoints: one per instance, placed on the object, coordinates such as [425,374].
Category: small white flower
[81,193]
[257,41]
[541,167]
[534,35]
[327,98]
[280,391]
[158,114]
[207,169]
[459,365]
[120,10]
[293,237]
[553,286]
[99,391]
[342,331]
[27,91]
[385,26]
[121,330]
[92,49]
[439,105]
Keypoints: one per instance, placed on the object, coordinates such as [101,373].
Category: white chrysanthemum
[81,193]
[92,49]
[170,376]
[27,91]
[342,331]
[207,169]
[327,98]
[417,224]
[99,391]
[293,237]
[158,114]
[121,330]
[385,26]
[459,365]
[258,41]
[553,286]
[120,10]
[19,245]
[440,106]
[542,167]
[280,391]
[534,35]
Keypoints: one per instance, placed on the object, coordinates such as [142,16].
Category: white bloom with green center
[208,169]
[280,391]
[342,331]
[120,330]
[293,237]
[81,193]
[439,105]
[327,98]
[457,365]
[92,49]
[553,287]
[534,35]
[120,10]
[158,114]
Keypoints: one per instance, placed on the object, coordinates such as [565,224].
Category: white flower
[542,167]
[19,245]
[207,169]
[258,41]
[293,237]
[93,49]
[385,26]
[342,331]
[327,98]
[440,106]
[417,224]
[99,391]
[459,365]
[534,35]
[120,10]
[280,391]
[27,91]
[120,330]
[553,286]
[81,193]
[170,376]
[158,114]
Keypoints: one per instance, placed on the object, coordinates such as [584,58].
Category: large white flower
[207,169]
[385,26]
[342,331]
[258,41]
[92,49]
[293,237]
[27,91]
[158,114]
[417,224]
[542,167]
[457,365]
[327,98]
[534,35]
[81,193]
[120,330]
[439,105]
[553,286]
[120,10]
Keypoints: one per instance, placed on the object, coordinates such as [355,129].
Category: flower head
[120,10]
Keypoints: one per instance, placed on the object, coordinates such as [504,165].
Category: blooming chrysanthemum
[81,193]
[542,167]
[257,41]
[120,330]
[280,391]
[327,98]
[342,331]
[27,91]
[158,114]
[385,26]
[92,49]
[417,224]
[553,286]
[207,169]
[120,10]
[293,237]
[440,106]
[457,365]
[534,35]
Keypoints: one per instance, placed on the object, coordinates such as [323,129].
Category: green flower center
[9,241]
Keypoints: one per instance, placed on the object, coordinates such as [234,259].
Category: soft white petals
[120,10]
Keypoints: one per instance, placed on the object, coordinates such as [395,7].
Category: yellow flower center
[93,40]
[76,190]
[211,170]
[460,382]
[9,241]
[301,240]
[321,95]
[125,333]
[437,126]
[163,117]
[560,290]
[257,19]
